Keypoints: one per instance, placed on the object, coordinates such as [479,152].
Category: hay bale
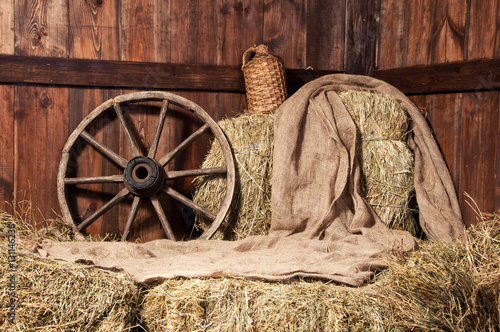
[55,296]
[253,305]
[387,166]
[448,287]
[441,287]
[387,163]
[251,137]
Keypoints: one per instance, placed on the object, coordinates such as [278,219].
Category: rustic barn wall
[466,124]
[37,119]
[352,36]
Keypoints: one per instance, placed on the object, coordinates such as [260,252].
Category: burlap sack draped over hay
[386,160]
[386,166]
[321,225]
[251,137]
[441,287]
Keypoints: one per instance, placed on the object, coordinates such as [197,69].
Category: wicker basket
[264,80]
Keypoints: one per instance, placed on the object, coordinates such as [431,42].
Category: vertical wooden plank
[455,30]
[361,36]
[419,16]
[391,45]
[40,132]
[285,30]
[7,148]
[480,122]
[41,113]
[444,115]
[162,30]
[497,174]
[421,32]
[325,35]
[239,26]
[41,28]
[437,39]
[93,28]
[447,31]
[7,27]
[144,31]
[137,30]
[483,29]
[193,31]
[86,162]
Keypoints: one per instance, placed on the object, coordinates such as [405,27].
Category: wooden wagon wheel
[144,177]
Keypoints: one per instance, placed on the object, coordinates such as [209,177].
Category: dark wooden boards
[6,148]
[127,74]
[361,36]
[475,75]
[466,127]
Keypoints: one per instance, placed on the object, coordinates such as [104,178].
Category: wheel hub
[144,176]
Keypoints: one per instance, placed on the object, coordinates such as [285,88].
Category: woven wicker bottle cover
[264,80]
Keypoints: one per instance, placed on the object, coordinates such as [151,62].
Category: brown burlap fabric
[321,226]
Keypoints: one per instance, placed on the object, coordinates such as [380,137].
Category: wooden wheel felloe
[144,177]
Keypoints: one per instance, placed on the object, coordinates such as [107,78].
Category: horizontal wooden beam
[140,75]
[475,75]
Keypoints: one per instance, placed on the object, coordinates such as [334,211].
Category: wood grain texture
[93,30]
[497,173]
[421,32]
[455,22]
[40,113]
[484,29]
[162,28]
[41,28]
[479,152]
[124,74]
[144,36]
[419,15]
[137,30]
[193,31]
[444,113]
[7,148]
[391,44]
[239,26]
[7,27]
[40,132]
[475,75]
[87,162]
[94,34]
[284,31]
[325,35]
[361,36]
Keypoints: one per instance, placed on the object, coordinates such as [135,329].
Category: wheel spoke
[163,218]
[131,217]
[120,161]
[97,179]
[112,202]
[169,156]
[196,172]
[186,201]
[159,129]
[133,145]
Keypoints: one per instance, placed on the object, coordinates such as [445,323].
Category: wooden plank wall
[351,36]
[466,123]
[37,119]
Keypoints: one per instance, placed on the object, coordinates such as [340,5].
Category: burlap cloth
[321,226]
